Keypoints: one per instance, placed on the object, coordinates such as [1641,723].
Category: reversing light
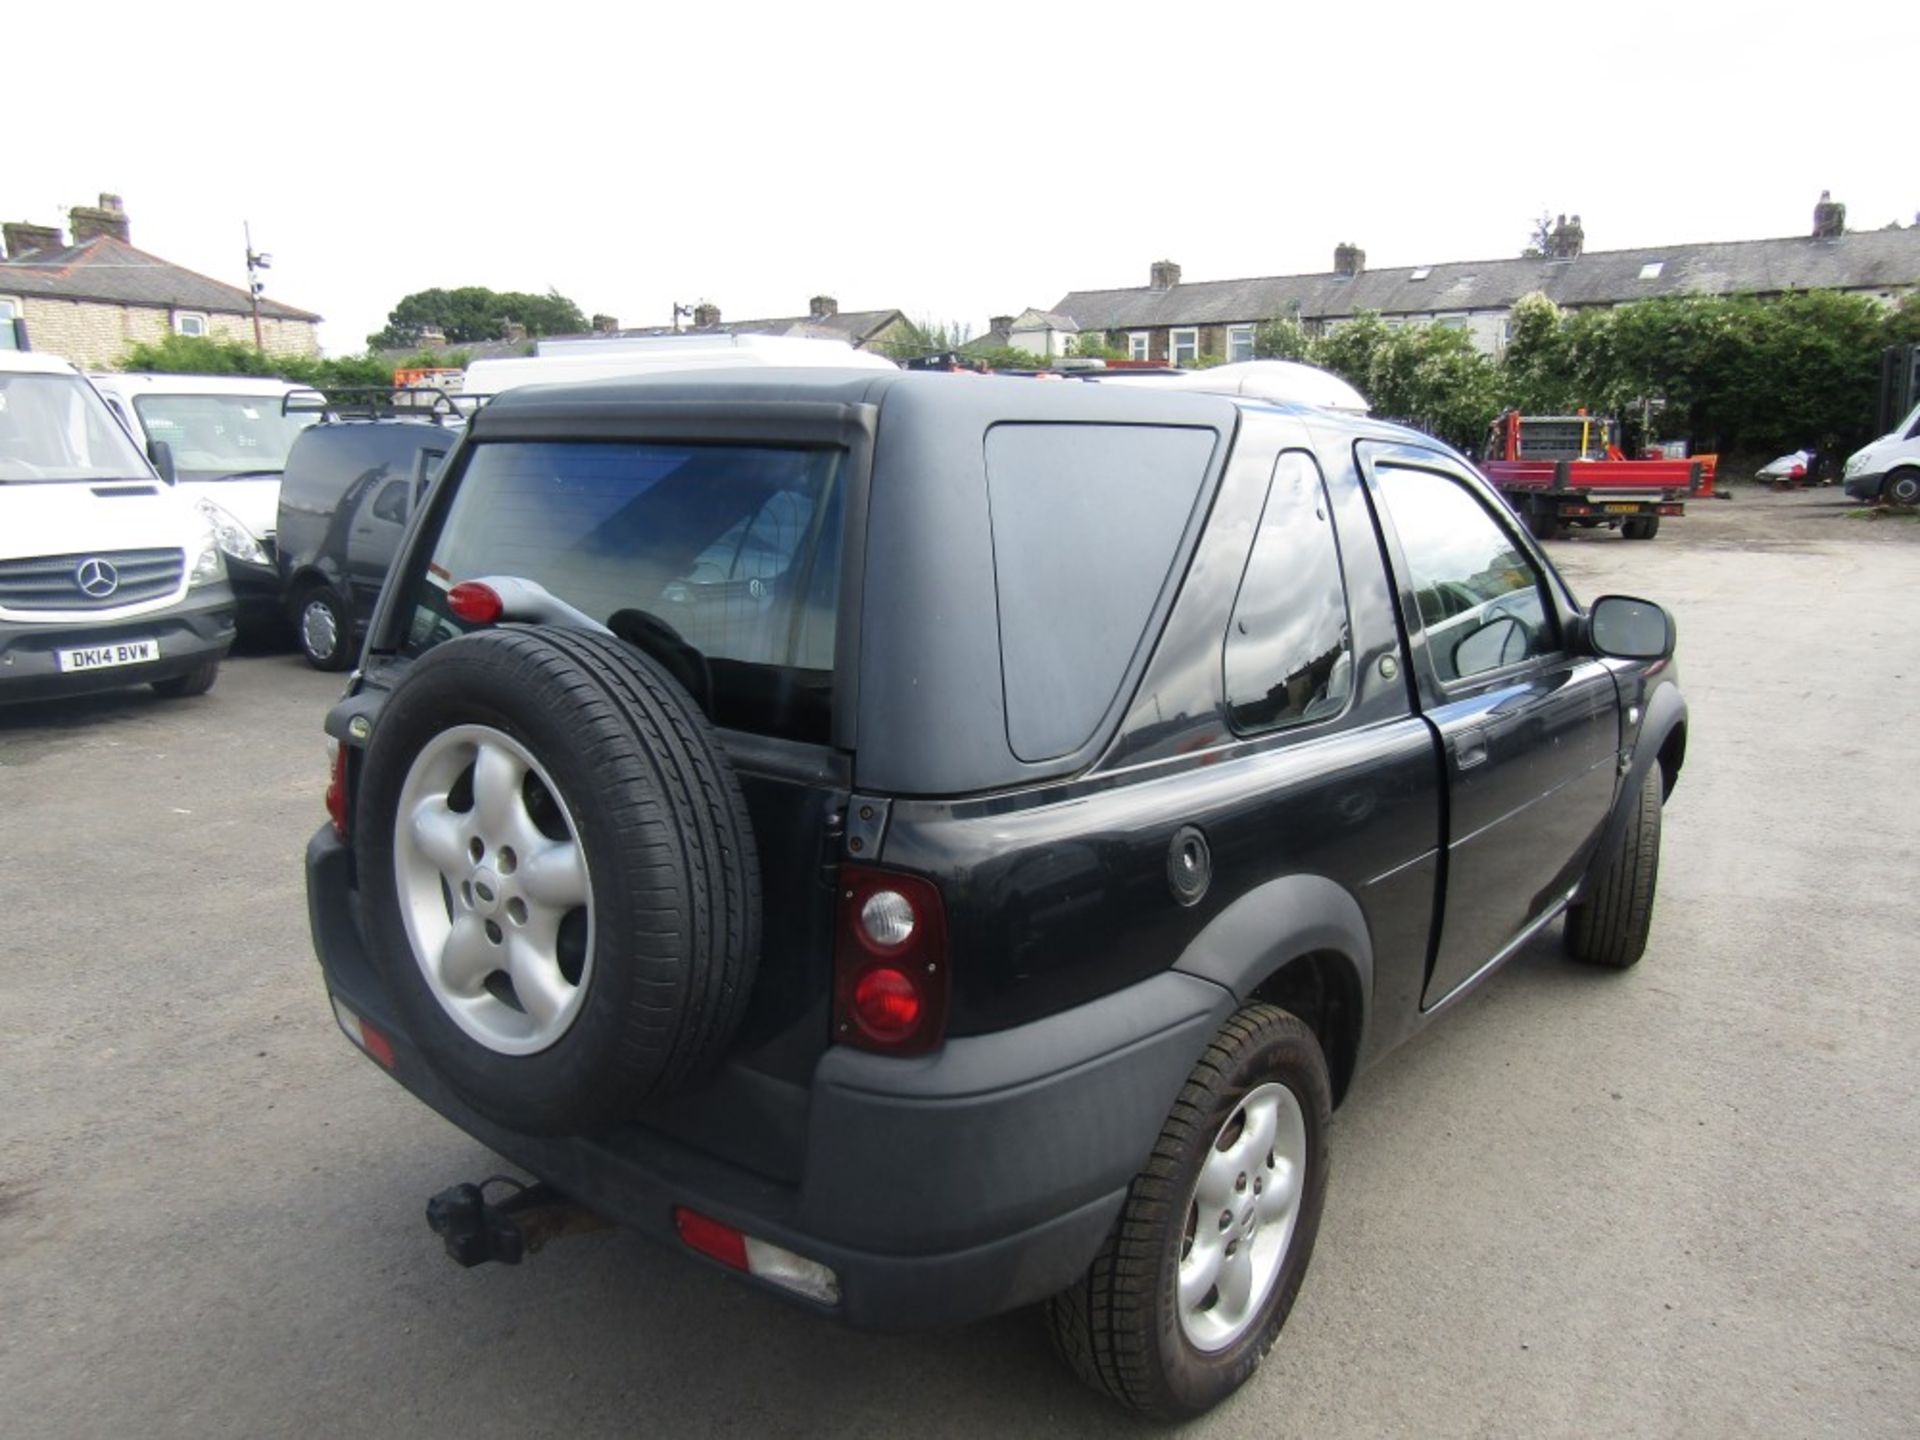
[475,603]
[887,919]
[364,1035]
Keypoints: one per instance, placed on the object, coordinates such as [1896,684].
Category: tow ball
[476,1230]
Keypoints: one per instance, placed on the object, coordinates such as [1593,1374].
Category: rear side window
[1289,654]
[722,562]
[1087,520]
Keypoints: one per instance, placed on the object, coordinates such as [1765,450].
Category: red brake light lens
[475,603]
[711,1238]
[889,963]
[337,791]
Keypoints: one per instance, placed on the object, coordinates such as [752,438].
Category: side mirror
[161,453]
[1624,628]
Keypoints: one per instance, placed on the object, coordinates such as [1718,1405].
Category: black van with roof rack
[932,845]
[351,481]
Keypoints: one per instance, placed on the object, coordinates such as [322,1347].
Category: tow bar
[475,1230]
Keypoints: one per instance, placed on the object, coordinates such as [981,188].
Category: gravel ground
[1685,1200]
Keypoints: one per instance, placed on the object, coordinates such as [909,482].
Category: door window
[1289,656]
[1482,602]
[392,503]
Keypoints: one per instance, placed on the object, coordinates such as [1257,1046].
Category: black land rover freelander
[934,845]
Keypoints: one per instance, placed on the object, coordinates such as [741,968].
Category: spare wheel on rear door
[561,883]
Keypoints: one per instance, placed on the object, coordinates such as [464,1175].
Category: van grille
[53,582]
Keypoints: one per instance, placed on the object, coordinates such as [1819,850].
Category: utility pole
[256,262]
[679,312]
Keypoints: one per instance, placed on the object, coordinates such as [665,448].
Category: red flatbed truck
[1562,470]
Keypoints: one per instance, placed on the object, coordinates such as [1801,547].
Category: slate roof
[110,270]
[1869,260]
[1045,320]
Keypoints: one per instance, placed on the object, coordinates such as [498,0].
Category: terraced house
[89,300]
[1175,321]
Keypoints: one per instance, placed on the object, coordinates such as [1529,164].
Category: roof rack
[381,402]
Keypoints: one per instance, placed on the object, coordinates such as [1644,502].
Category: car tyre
[1609,926]
[1127,1328]
[1902,487]
[324,628]
[644,856]
[1643,527]
[197,681]
[1544,523]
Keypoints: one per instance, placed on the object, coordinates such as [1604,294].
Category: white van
[610,357]
[223,441]
[1889,468]
[107,576]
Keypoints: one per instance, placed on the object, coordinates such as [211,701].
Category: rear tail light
[337,790]
[753,1256]
[889,962]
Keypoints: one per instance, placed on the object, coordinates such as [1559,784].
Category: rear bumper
[939,1190]
[188,633]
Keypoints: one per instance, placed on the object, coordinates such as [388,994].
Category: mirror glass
[1630,629]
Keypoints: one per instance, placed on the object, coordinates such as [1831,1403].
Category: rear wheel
[324,628]
[1641,527]
[1902,487]
[197,681]
[1191,1288]
[1544,522]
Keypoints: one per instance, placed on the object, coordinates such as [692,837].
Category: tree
[924,336]
[1540,243]
[1282,339]
[1097,345]
[474,313]
[203,355]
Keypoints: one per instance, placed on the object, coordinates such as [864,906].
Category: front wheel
[1609,925]
[197,681]
[1902,487]
[1196,1278]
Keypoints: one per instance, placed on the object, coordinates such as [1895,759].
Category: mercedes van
[108,577]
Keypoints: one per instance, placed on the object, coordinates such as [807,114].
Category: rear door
[375,535]
[1529,730]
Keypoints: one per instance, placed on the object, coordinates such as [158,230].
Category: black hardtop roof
[986,396]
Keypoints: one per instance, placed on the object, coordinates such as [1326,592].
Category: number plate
[105,657]
[1622,509]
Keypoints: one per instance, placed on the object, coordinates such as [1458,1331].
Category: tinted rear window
[722,562]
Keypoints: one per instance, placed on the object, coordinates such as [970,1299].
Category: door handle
[1470,749]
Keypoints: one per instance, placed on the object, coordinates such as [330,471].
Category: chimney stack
[1567,239]
[1829,217]
[24,238]
[1164,275]
[706,315]
[823,307]
[1348,259]
[109,217]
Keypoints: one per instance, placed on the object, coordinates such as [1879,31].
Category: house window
[188,322]
[1452,322]
[1651,270]
[1185,346]
[1421,273]
[9,308]
[1239,342]
[1137,344]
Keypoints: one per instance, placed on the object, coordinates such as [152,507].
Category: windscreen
[218,437]
[55,427]
[722,562]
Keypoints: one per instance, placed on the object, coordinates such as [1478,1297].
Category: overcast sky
[954,161]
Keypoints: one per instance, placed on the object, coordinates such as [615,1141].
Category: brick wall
[95,336]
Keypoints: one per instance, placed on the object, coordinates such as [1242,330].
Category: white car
[1889,468]
[612,357]
[107,576]
[223,441]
